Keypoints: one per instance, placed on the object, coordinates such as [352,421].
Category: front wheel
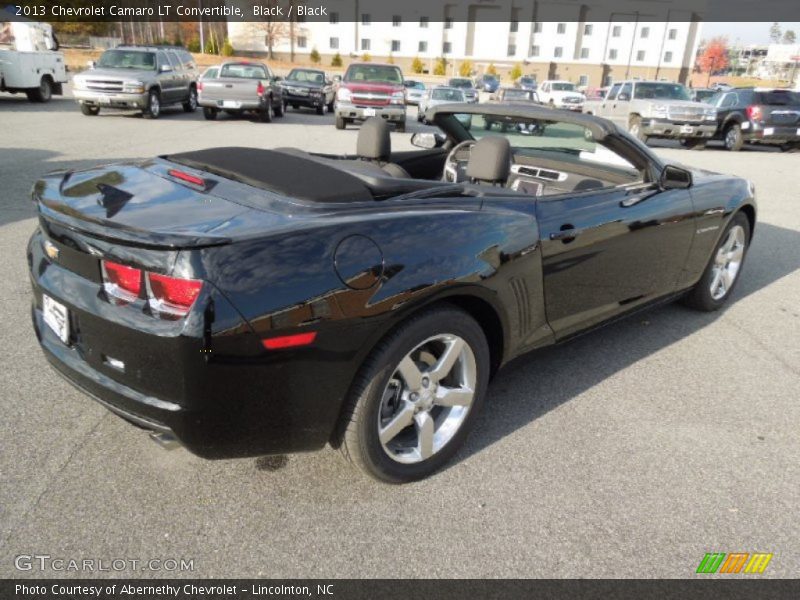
[340,123]
[733,138]
[416,396]
[635,128]
[210,113]
[722,272]
[191,102]
[153,109]
[322,109]
[267,111]
[90,111]
[279,112]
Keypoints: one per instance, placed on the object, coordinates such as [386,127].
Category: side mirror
[165,68]
[429,141]
[675,178]
[91,64]
[623,98]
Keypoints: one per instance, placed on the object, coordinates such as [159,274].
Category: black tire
[279,112]
[790,147]
[635,128]
[419,117]
[296,106]
[210,113]
[733,137]
[285,106]
[700,296]
[153,110]
[487,125]
[266,113]
[191,103]
[330,106]
[322,109]
[358,432]
[43,93]
[340,123]
[90,111]
[400,127]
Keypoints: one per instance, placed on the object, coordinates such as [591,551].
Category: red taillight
[121,281]
[171,295]
[187,177]
[754,113]
[260,89]
[290,341]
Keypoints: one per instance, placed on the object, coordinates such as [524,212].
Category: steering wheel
[455,170]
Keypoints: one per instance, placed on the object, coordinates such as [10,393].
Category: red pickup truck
[371,90]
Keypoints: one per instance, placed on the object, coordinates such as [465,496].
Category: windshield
[374,73]
[660,91]
[448,95]
[518,95]
[489,78]
[124,59]
[461,83]
[306,76]
[243,71]
[563,86]
[527,81]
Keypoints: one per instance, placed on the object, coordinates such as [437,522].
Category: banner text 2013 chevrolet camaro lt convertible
[252,302]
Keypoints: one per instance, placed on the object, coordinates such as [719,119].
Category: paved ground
[628,453]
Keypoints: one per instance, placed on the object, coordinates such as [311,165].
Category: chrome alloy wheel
[427,398]
[727,262]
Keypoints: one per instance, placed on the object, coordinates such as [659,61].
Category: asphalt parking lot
[629,452]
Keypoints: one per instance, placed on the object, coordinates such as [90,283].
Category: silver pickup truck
[237,87]
[656,109]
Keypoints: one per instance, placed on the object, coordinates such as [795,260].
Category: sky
[746,33]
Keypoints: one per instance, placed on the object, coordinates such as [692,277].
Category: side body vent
[521,296]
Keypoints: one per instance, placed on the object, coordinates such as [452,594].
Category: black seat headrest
[374,140]
[490,159]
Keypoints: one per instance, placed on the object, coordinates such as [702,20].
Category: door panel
[605,253]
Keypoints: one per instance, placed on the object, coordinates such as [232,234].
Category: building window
[514,26]
[397,21]
[673,34]
[423,47]
[447,47]
[644,33]
[534,50]
[667,57]
[537,27]
[365,44]
[558,52]
[561,28]
[395,45]
[334,18]
[512,49]
[334,43]
[587,29]
[612,54]
[583,80]
[616,31]
[302,41]
[640,55]
[365,19]
[448,23]
[423,22]
[584,53]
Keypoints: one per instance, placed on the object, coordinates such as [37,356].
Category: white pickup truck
[561,94]
[29,61]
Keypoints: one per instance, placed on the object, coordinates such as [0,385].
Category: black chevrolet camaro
[249,302]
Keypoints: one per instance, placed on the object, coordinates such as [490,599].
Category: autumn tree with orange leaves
[713,57]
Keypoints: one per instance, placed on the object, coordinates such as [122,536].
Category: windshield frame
[662,85]
[352,69]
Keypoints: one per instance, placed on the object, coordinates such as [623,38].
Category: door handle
[565,235]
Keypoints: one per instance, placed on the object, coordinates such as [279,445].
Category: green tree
[227,48]
[193,45]
[366,57]
[465,68]
[516,72]
[336,61]
[441,66]
[314,56]
[212,46]
[417,65]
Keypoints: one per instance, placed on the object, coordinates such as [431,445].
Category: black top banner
[407,11]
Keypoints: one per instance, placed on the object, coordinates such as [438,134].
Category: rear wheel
[153,109]
[417,396]
[722,272]
[210,113]
[340,123]
[279,109]
[267,112]
[191,102]
[733,138]
[43,93]
[90,111]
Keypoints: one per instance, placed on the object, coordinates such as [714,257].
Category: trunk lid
[232,89]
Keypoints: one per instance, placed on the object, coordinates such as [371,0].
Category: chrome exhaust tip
[167,441]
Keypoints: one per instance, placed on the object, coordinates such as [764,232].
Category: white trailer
[30,61]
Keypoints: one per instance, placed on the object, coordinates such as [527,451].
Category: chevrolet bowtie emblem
[51,250]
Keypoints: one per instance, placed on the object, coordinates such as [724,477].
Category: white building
[612,46]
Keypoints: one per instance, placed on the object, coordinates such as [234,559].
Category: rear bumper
[570,106]
[770,135]
[395,113]
[110,100]
[675,130]
[238,104]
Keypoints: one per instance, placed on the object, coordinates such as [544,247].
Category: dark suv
[758,116]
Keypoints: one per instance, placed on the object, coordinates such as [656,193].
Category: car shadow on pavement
[20,103]
[553,376]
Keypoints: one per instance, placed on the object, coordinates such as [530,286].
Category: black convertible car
[250,301]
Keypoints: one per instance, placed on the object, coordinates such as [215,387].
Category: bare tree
[275,29]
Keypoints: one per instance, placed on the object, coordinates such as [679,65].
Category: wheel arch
[750,212]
